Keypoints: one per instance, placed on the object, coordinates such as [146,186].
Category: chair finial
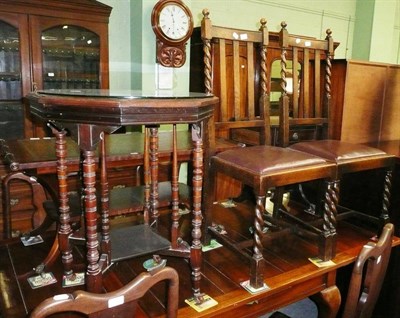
[328,32]
[283,25]
[206,13]
[263,22]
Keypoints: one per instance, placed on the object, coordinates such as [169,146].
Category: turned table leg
[195,250]
[93,273]
[154,194]
[64,229]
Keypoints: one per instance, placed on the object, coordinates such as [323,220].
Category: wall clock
[172,24]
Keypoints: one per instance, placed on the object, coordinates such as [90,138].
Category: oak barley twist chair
[240,55]
[309,103]
[113,304]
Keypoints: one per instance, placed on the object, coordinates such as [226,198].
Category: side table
[87,115]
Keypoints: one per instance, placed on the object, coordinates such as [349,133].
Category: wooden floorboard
[222,270]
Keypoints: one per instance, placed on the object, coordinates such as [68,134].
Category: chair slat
[317,85]
[236,80]
[222,70]
[306,84]
[295,78]
[250,80]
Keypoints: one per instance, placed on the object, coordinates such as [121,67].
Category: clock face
[174,22]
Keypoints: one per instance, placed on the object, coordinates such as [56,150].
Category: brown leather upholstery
[338,151]
[351,158]
[267,160]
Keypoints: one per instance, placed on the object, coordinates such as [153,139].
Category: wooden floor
[222,270]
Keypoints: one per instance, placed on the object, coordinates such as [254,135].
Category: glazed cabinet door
[14,74]
[69,53]
[70,58]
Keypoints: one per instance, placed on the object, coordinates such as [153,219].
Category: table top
[288,273]
[120,108]
[124,93]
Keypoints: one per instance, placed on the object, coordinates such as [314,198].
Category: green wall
[366,29]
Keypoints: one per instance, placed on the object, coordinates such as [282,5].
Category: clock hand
[173,24]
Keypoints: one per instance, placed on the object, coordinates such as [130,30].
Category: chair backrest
[110,304]
[235,71]
[368,274]
[307,81]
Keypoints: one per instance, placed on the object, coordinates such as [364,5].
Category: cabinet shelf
[10,76]
[71,80]
[70,53]
[9,47]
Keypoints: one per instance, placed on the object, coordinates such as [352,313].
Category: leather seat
[266,162]
[350,158]
[342,153]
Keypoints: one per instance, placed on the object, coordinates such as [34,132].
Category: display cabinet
[48,44]
[71,58]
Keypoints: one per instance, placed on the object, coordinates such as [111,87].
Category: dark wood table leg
[65,229]
[384,216]
[146,176]
[175,192]
[327,246]
[209,178]
[257,261]
[154,213]
[195,250]
[93,272]
[105,203]
[328,302]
